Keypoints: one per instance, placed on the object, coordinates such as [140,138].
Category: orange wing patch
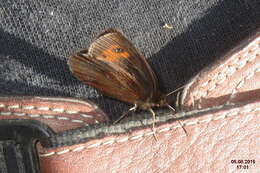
[114,53]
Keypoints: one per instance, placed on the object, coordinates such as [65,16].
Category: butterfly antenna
[170,107]
[124,114]
[153,127]
[177,103]
[175,90]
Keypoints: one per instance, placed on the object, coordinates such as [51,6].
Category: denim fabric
[36,37]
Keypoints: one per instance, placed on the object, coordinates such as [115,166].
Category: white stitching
[39,108]
[108,142]
[5,113]
[240,64]
[221,80]
[41,116]
[19,113]
[123,139]
[220,117]
[94,145]
[63,151]
[139,136]
[136,137]
[258,70]
[71,112]
[78,149]
[241,83]
[257,109]
[48,154]
[43,108]
[86,116]
[149,133]
[250,75]
[231,70]
[48,116]
[203,121]
[60,110]
[164,129]
[77,121]
[251,54]
[203,85]
[62,118]
[35,116]
[13,106]
[28,107]
[254,48]
[190,123]
[246,111]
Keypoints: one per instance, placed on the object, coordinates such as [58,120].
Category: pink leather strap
[59,113]
[234,78]
[214,140]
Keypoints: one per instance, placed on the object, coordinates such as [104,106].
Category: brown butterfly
[115,67]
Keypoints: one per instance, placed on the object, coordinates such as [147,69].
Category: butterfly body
[159,101]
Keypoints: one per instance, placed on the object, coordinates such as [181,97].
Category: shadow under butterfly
[115,67]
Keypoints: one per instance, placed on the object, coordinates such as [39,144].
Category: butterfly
[115,67]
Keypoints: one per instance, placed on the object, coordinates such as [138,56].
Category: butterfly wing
[114,66]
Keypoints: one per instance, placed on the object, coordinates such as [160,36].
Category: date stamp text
[243,163]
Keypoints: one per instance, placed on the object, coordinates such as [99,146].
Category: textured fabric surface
[36,37]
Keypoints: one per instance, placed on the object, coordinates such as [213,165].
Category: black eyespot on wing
[118,50]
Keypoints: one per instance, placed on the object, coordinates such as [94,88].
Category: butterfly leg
[170,107]
[124,114]
[153,127]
